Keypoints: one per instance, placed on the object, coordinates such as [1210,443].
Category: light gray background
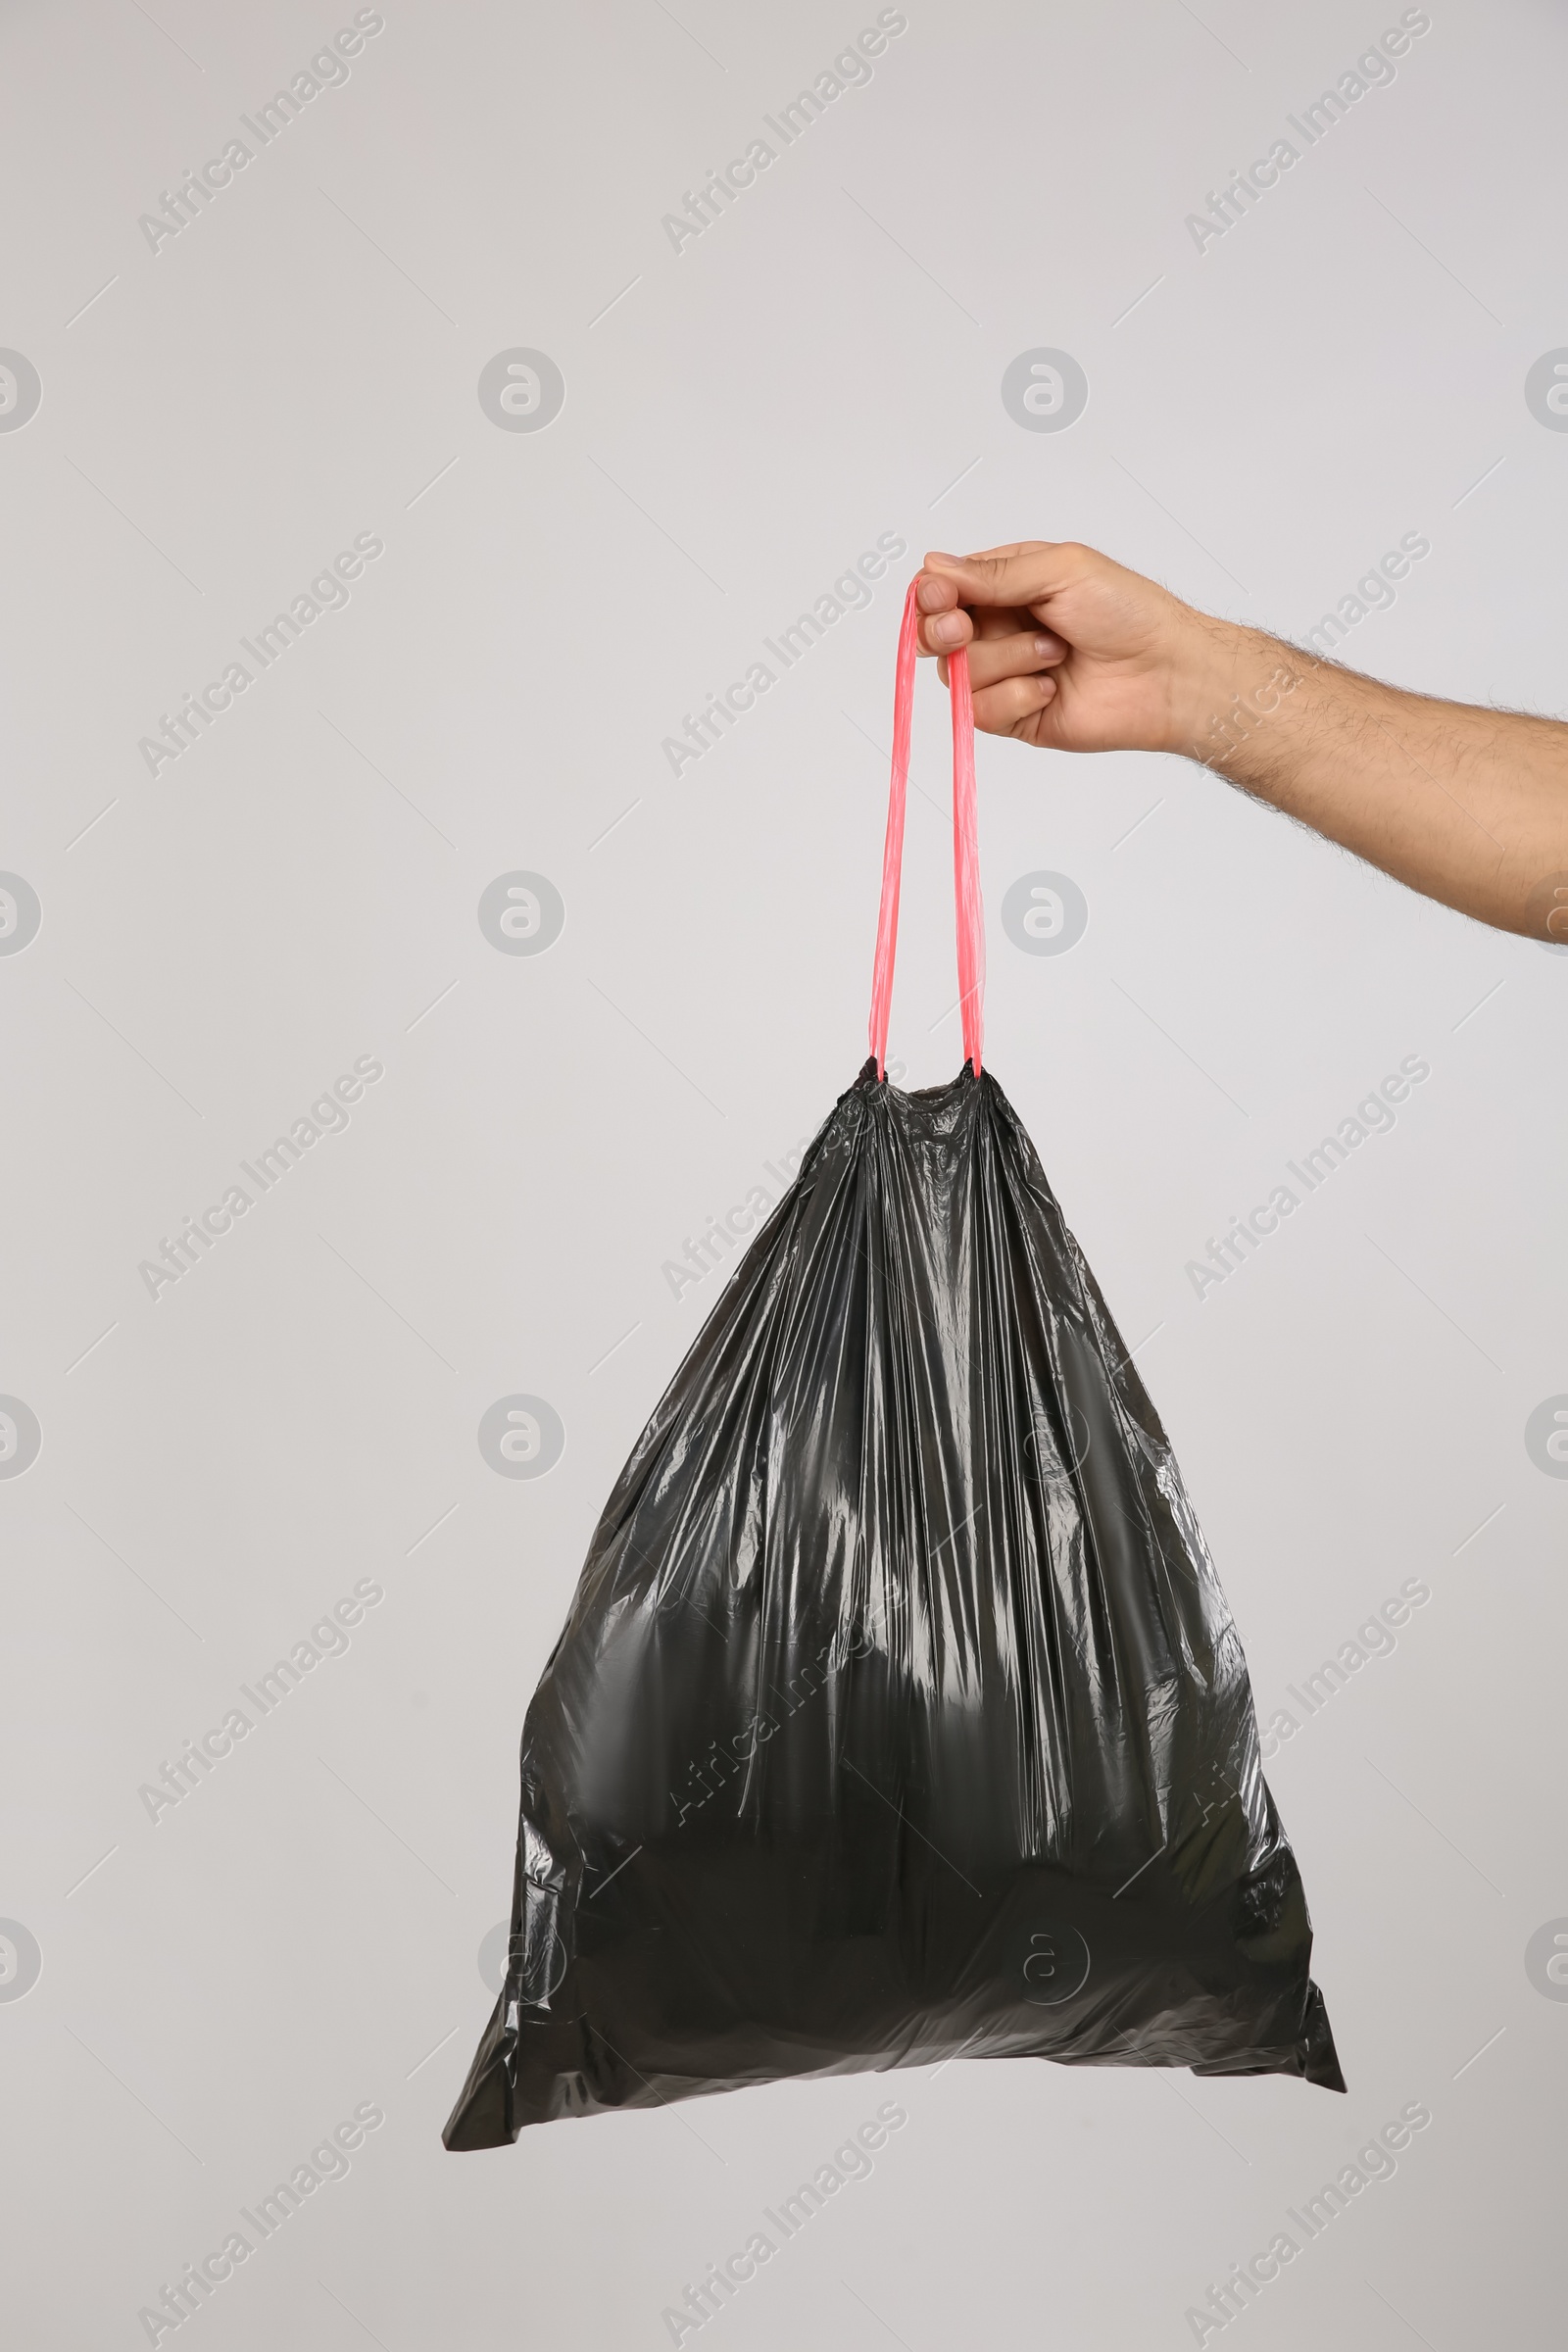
[217,942]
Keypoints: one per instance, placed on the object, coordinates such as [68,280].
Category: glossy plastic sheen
[899,1712]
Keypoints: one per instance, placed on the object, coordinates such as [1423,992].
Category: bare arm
[1070,651]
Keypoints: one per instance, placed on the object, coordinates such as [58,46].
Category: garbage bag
[899,1713]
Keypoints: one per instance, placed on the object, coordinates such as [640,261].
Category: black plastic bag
[899,1712]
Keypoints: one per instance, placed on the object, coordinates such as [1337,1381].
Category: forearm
[1468,806]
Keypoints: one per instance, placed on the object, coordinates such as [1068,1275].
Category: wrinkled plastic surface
[899,1712]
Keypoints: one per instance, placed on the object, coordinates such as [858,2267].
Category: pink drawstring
[965,849]
[971,915]
[887,928]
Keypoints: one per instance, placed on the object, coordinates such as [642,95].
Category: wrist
[1226,682]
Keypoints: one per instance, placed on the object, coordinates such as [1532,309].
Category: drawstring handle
[970,913]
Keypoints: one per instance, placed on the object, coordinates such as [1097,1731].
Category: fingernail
[931,596]
[947,629]
[936,556]
[1043,645]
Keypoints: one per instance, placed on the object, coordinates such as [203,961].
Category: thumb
[1006,576]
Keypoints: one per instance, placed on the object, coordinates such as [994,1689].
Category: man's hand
[1070,652]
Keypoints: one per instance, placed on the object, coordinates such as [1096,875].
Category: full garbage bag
[899,1713]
